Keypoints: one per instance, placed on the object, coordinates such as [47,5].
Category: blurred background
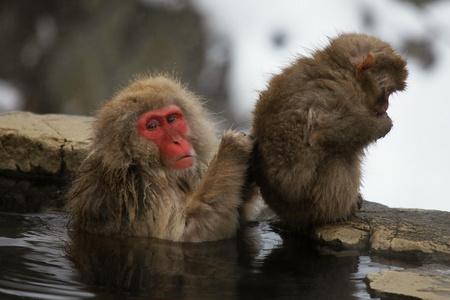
[69,56]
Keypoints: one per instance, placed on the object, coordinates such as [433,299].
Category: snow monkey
[313,123]
[150,170]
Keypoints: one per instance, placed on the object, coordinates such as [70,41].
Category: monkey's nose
[177,140]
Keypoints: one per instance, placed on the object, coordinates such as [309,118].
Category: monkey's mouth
[382,104]
[382,108]
[180,158]
[183,162]
[183,157]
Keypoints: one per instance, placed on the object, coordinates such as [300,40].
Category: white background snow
[411,166]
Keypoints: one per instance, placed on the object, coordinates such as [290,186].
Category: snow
[10,97]
[411,166]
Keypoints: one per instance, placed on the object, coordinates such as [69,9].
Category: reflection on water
[40,259]
[32,260]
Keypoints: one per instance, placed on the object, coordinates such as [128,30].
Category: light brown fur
[313,122]
[125,188]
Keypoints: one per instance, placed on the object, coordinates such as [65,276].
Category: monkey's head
[154,122]
[375,65]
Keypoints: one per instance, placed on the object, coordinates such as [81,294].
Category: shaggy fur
[125,188]
[313,122]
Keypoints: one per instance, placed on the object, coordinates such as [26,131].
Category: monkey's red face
[167,128]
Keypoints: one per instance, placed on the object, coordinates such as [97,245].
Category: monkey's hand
[235,146]
[382,126]
[350,130]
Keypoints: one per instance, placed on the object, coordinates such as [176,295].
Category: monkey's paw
[237,142]
[357,205]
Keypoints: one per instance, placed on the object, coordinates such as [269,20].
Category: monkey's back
[303,182]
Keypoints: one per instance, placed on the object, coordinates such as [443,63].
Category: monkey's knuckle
[247,143]
[232,136]
[244,141]
[237,141]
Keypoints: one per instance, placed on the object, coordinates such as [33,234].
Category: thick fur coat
[125,188]
[313,122]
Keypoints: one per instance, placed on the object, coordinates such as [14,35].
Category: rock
[353,234]
[407,285]
[42,144]
[416,233]
[37,153]
[422,235]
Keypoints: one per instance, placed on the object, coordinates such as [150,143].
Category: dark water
[40,259]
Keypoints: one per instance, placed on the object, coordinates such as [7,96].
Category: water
[39,258]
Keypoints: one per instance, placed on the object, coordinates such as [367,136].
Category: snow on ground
[411,166]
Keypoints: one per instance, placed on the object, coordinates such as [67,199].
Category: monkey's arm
[349,128]
[212,209]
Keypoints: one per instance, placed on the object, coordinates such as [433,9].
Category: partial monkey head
[374,64]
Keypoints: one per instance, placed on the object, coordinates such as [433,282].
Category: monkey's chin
[183,163]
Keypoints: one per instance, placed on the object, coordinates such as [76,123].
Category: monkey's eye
[172,118]
[152,125]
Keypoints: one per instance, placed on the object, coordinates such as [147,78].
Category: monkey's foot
[357,205]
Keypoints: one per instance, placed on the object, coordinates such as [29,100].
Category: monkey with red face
[150,170]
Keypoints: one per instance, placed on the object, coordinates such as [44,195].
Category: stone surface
[422,235]
[37,153]
[42,144]
[407,285]
[353,234]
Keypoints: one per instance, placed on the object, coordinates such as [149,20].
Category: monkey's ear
[367,63]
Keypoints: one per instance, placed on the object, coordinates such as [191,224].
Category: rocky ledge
[39,153]
[420,235]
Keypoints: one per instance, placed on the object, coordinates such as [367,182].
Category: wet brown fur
[124,187]
[313,122]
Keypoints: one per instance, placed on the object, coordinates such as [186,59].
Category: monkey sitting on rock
[313,123]
[149,172]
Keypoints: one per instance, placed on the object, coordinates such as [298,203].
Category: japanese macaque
[313,122]
[149,171]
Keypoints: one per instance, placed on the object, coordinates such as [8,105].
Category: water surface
[40,258]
